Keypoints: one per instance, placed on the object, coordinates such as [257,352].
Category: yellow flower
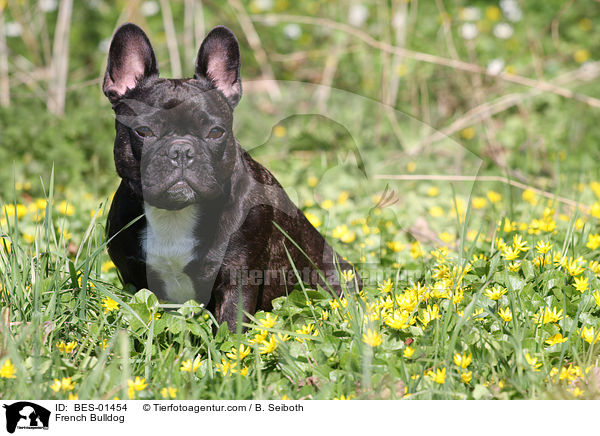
[109,304]
[436,211]
[306,330]
[546,316]
[408,352]
[348,275]
[581,55]
[459,294]
[395,246]
[139,384]
[96,212]
[533,362]
[446,237]
[312,181]
[543,247]
[596,188]
[462,360]
[505,314]
[73,397]
[509,253]
[589,335]
[556,339]
[479,203]
[8,370]
[411,167]
[596,210]
[398,320]
[577,392]
[65,384]
[269,346]
[313,219]
[65,208]
[107,266]
[596,296]
[343,233]
[519,244]
[582,284]
[575,267]
[372,338]
[189,366]
[433,191]
[281,338]
[593,241]
[29,238]
[386,286]
[10,210]
[343,197]
[439,376]
[56,385]
[327,204]
[66,348]
[168,392]
[493,13]
[415,250]
[429,314]
[530,197]
[5,244]
[226,367]
[238,353]
[494,197]
[269,321]
[279,131]
[468,133]
[348,237]
[514,266]
[466,377]
[495,292]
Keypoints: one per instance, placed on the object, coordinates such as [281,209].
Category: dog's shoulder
[258,172]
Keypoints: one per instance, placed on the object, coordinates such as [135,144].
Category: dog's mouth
[181,192]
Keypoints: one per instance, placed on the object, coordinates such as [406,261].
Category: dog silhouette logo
[26,415]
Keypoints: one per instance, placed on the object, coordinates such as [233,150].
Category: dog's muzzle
[181,154]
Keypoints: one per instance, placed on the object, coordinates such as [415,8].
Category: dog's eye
[144,132]
[215,133]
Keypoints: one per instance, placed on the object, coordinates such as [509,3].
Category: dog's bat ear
[218,61]
[130,60]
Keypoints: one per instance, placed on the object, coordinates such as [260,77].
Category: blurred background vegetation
[515,83]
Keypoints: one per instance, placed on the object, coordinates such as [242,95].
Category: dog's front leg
[227,298]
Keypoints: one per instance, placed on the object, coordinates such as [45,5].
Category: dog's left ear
[219,62]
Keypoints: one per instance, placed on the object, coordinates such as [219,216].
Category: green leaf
[528,270]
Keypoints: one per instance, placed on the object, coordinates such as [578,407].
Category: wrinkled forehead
[176,101]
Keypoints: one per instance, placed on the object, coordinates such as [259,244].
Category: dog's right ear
[130,60]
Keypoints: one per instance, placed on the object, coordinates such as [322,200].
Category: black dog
[208,232]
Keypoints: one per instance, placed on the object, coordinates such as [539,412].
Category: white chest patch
[169,246]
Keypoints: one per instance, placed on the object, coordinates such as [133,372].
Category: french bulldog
[195,217]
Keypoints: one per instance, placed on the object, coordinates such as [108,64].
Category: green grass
[55,291]
[430,252]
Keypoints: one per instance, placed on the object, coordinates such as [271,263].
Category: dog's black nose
[181,154]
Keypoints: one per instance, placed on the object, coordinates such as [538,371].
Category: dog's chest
[169,244]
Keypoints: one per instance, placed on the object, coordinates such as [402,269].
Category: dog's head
[174,143]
